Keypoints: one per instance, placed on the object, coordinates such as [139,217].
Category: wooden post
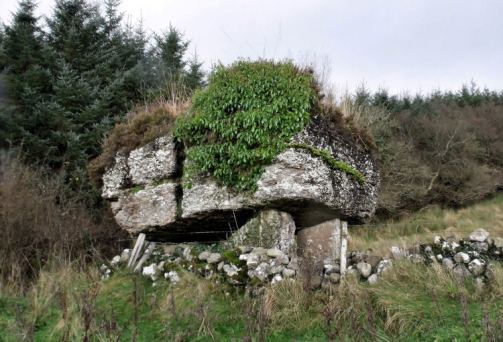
[337,240]
[145,256]
[136,250]
[344,246]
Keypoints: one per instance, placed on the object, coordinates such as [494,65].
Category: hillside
[410,302]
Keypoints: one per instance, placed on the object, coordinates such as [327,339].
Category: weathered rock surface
[114,178]
[297,183]
[269,229]
[147,209]
[154,161]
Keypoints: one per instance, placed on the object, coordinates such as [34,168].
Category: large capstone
[144,210]
[148,194]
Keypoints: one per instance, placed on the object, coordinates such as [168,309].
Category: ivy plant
[243,119]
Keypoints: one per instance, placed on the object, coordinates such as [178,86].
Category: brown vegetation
[142,125]
[40,223]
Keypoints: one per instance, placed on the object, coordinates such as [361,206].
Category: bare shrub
[39,223]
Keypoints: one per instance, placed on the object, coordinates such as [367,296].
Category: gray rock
[261,272]
[373,260]
[383,266]
[372,279]
[274,253]
[461,272]
[364,269]
[481,247]
[288,273]
[146,209]
[269,229]
[231,270]
[153,162]
[203,256]
[479,235]
[498,242]
[477,267]
[115,178]
[462,257]
[398,252]
[448,263]
[334,278]
[214,258]
[437,240]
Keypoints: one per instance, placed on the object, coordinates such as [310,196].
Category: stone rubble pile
[255,266]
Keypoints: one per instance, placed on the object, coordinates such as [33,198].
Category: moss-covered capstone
[256,138]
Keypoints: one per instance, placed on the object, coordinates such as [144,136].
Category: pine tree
[194,75]
[170,48]
[23,52]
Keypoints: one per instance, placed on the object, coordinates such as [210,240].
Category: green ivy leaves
[244,118]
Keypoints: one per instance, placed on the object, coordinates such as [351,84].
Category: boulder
[479,235]
[302,188]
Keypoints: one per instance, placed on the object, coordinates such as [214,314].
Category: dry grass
[41,224]
[420,227]
[143,124]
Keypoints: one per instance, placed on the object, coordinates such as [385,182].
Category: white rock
[276,279]
[437,240]
[288,273]
[462,257]
[115,260]
[203,256]
[230,270]
[172,276]
[477,267]
[150,271]
[125,255]
[214,258]
[439,257]
[252,260]
[274,252]
[479,235]
[261,272]
[397,252]
[372,279]
[383,266]
[364,269]
[498,242]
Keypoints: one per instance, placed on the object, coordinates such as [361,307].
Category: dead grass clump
[142,125]
[40,223]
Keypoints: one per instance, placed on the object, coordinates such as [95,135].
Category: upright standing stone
[269,229]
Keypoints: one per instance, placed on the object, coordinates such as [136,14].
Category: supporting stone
[344,247]
[269,229]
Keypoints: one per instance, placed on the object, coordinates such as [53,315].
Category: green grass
[411,302]
[422,226]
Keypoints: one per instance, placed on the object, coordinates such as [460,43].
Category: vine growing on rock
[244,118]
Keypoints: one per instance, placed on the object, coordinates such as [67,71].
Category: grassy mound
[244,119]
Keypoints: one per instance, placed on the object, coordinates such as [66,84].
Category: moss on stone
[332,162]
